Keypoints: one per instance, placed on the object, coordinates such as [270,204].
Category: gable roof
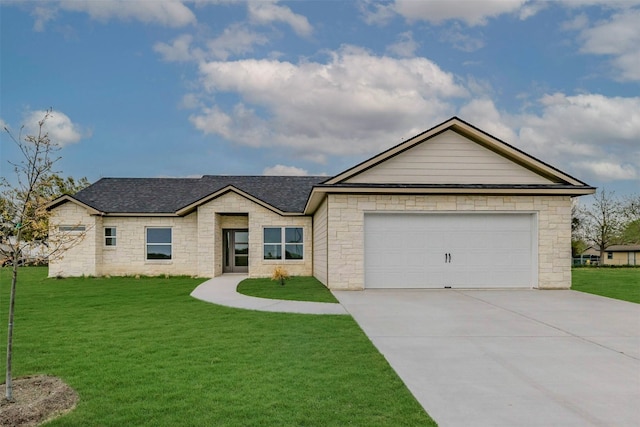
[179,196]
[558,182]
[295,195]
[472,133]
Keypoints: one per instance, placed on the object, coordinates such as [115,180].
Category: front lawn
[143,352]
[297,288]
[619,283]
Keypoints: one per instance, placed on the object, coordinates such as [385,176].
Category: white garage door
[494,250]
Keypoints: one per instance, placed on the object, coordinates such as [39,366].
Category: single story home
[450,207]
[617,254]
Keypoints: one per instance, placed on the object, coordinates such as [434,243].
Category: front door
[236,251]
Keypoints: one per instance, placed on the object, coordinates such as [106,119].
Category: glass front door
[236,251]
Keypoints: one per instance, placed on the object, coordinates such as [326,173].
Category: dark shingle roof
[168,195]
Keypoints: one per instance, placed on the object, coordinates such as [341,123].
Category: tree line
[609,220]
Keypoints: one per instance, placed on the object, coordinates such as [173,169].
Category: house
[617,254]
[450,207]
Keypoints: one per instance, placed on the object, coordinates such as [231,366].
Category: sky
[205,87]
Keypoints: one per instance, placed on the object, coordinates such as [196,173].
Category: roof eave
[230,188]
[67,198]
[319,192]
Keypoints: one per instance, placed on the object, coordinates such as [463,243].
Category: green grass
[297,288]
[618,283]
[143,352]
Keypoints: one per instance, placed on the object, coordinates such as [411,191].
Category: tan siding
[448,158]
[320,243]
[621,258]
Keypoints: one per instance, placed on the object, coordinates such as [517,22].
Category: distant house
[616,254]
[450,207]
[622,255]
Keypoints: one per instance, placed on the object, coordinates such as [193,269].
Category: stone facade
[333,238]
[197,247]
[345,230]
[80,257]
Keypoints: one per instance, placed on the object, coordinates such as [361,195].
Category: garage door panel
[442,250]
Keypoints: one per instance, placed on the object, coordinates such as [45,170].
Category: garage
[450,250]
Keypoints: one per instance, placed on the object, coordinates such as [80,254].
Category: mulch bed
[35,400]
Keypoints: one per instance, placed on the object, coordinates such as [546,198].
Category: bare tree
[631,232]
[24,215]
[578,245]
[603,221]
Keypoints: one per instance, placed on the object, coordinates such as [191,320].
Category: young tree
[603,221]
[24,215]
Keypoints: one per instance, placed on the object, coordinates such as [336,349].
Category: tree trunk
[12,302]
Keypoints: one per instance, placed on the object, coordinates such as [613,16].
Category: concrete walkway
[222,290]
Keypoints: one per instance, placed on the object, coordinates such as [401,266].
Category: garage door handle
[447,258]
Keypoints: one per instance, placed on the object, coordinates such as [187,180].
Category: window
[72,228]
[158,243]
[609,255]
[109,236]
[289,237]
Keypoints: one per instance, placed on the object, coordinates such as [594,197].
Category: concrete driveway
[509,358]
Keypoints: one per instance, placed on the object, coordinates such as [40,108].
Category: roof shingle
[168,195]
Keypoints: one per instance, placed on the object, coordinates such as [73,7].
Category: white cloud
[608,171]
[179,50]
[213,121]
[170,13]
[460,40]
[618,37]
[471,12]
[483,113]
[190,101]
[374,13]
[266,12]
[58,125]
[405,47]
[355,103]
[282,170]
[578,22]
[42,15]
[589,135]
[236,39]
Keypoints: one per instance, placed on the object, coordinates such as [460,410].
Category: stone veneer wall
[345,230]
[320,270]
[128,257]
[196,246]
[80,258]
[255,218]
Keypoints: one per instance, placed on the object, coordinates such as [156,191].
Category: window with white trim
[283,243]
[110,235]
[159,242]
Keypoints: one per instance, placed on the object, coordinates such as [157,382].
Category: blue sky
[186,88]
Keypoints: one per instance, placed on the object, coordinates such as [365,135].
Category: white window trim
[146,246]
[114,238]
[283,245]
